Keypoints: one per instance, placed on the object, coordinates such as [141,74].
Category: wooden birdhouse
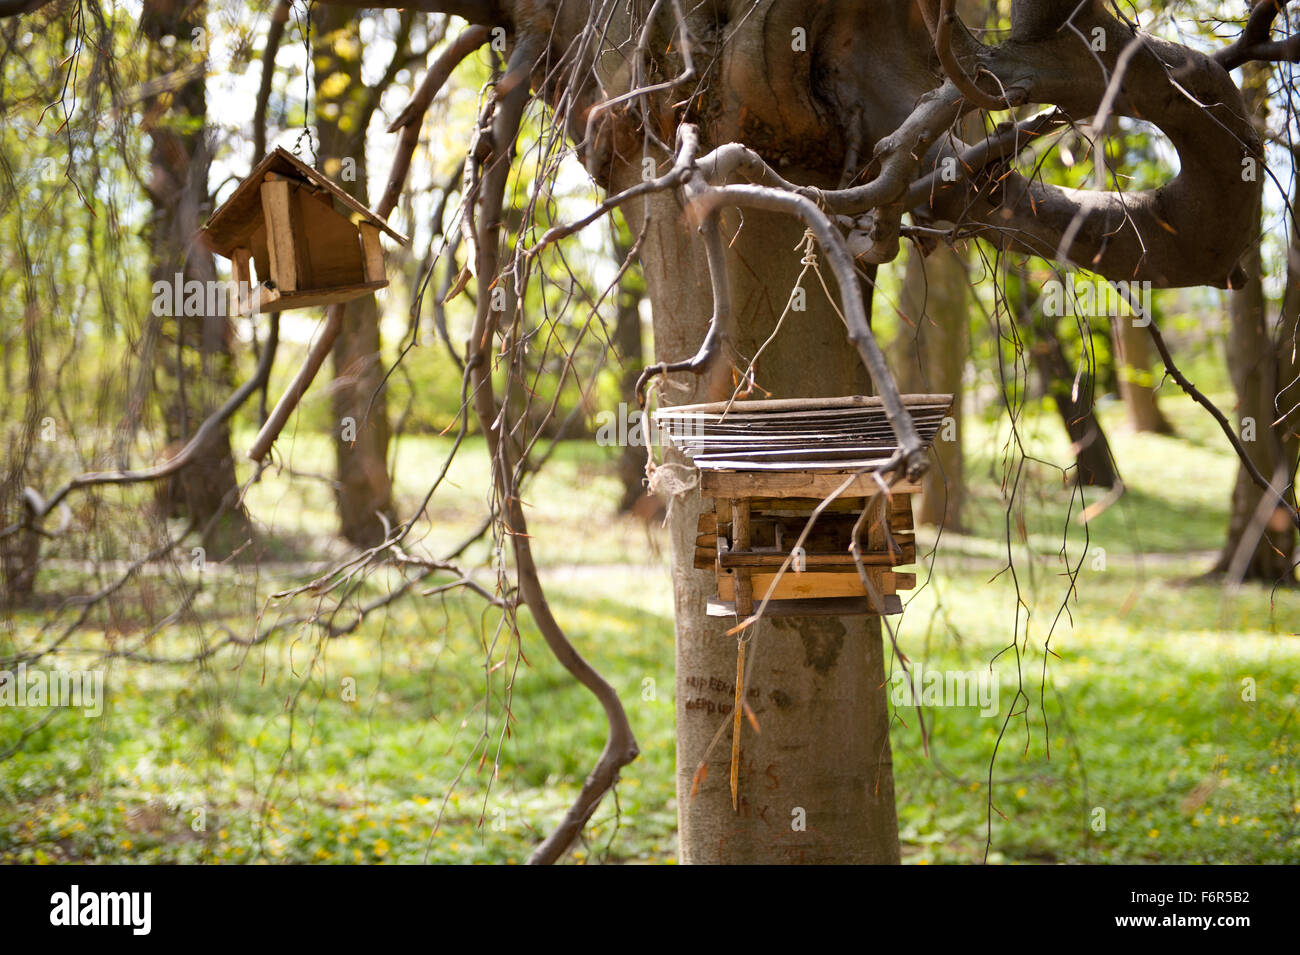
[765,466]
[310,242]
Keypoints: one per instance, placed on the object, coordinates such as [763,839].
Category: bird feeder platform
[310,242]
[766,466]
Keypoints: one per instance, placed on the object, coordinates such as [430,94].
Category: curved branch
[411,118]
[912,456]
[948,18]
[1156,235]
[711,347]
[620,745]
[1254,43]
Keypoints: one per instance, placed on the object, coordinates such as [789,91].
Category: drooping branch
[620,745]
[411,118]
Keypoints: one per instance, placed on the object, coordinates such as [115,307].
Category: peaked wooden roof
[228,225]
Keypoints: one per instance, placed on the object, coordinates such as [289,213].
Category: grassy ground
[1165,731]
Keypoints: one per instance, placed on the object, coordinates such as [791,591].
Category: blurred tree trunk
[816,785]
[931,358]
[1073,396]
[631,357]
[1261,538]
[362,431]
[20,552]
[1136,381]
[194,361]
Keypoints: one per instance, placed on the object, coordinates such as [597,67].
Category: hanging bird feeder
[310,242]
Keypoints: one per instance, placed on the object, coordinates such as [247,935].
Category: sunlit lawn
[1169,707]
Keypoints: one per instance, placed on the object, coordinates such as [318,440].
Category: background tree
[344,107]
[1264,367]
[193,352]
[934,346]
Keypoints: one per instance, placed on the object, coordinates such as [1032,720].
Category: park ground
[1165,731]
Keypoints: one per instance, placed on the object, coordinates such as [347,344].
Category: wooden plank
[722,515]
[814,584]
[310,297]
[752,559]
[827,606]
[277,204]
[333,245]
[705,558]
[372,252]
[740,540]
[707,524]
[241,274]
[787,484]
[239,265]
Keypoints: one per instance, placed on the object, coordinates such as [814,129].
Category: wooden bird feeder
[767,465]
[311,242]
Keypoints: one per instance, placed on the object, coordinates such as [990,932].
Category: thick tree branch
[1254,43]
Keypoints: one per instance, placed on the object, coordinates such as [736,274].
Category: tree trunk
[1074,403]
[197,370]
[631,356]
[932,358]
[1136,381]
[817,686]
[1261,538]
[362,432]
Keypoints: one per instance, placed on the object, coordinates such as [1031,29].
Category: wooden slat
[332,242]
[705,558]
[740,536]
[708,523]
[826,606]
[815,584]
[787,484]
[310,297]
[239,265]
[277,201]
[373,252]
[752,559]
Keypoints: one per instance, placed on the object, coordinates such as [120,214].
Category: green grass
[1142,717]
